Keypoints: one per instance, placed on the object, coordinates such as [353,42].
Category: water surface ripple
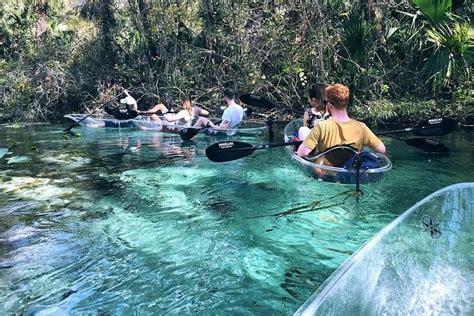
[123,222]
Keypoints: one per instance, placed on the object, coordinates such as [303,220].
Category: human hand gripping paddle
[189,132]
[67,130]
[232,150]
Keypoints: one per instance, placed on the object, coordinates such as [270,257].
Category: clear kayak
[245,128]
[321,171]
[102,120]
[422,263]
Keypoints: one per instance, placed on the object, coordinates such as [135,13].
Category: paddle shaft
[100,107]
[265,146]
[408,129]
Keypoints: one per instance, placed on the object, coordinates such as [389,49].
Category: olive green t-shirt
[330,133]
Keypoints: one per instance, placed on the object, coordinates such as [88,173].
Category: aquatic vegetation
[220,206]
[39,189]
[325,203]
[66,161]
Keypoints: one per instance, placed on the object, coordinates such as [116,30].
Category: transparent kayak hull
[420,264]
[102,121]
[327,173]
[246,128]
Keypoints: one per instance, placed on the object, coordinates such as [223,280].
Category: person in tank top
[316,113]
[188,115]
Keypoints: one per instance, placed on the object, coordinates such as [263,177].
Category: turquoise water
[137,222]
[419,264]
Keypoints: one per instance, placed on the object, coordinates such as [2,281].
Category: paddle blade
[227,151]
[256,100]
[188,133]
[435,127]
[428,145]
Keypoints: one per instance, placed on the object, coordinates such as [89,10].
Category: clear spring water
[422,263]
[128,222]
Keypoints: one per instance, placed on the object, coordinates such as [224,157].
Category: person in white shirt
[129,101]
[232,116]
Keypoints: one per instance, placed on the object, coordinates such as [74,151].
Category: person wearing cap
[340,129]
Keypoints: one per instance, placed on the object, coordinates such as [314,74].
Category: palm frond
[436,11]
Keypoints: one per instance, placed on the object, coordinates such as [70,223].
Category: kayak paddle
[261,102]
[426,144]
[232,150]
[100,107]
[189,132]
[256,100]
[430,127]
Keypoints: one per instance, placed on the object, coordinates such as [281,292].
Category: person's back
[231,117]
[331,132]
[233,114]
[188,114]
[130,102]
[340,129]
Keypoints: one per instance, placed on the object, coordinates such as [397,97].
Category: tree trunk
[151,49]
[108,23]
[41,21]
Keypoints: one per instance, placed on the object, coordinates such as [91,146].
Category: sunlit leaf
[435,11]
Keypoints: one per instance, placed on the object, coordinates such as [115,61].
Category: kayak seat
[366,159]
[335,156]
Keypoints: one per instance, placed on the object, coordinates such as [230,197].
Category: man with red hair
[340,129]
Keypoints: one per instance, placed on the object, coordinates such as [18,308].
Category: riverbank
[377,113]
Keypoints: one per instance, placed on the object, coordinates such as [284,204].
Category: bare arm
[303,151]
[158,107]
[373,142]
[380,148]
[204,113]
[172,118]
[223,125]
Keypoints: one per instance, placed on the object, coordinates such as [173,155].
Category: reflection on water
[126,221]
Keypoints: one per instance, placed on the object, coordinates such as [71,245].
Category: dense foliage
[401,59]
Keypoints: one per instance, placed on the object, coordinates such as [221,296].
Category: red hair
[338,95]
